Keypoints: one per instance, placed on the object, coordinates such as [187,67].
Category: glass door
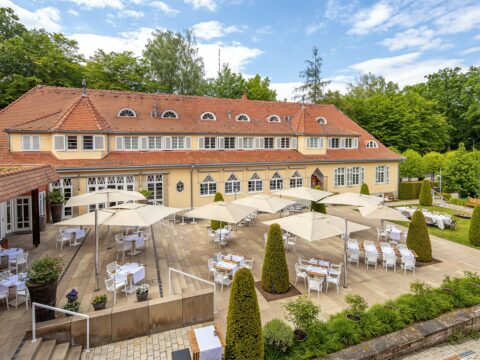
[23,213]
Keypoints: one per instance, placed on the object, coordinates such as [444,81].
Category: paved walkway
[469,350]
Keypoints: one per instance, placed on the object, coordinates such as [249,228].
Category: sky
[403,40]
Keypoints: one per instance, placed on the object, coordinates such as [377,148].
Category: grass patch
[459,235]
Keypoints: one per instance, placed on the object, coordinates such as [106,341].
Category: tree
[432,163]
[174,63]
[275,268]
[425,198]
[462,172]
[313,85]
[474,230]
[418,238]
[117,71]
[259,89]
[316,206]
[367,85]
[9,24]
[244,340]
[412,166]
[364,189]
[227,84]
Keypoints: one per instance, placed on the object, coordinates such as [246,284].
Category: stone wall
[130,321]
[414,338]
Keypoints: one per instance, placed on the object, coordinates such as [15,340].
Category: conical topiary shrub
[215,224]
[244,328]
[418,238]
[364,189]
[275,268]
[425,198]
[318,207]
[474,232]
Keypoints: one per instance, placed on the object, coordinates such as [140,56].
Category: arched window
[296,180]
[232,185]
[208,186]
[169,114]
[208,116]
[255,184]
[321,120]
[276,182]
[126,113]
[274,119]
[243,117]
[372,144]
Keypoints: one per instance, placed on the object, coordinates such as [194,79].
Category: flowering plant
[142,289]
[72,296]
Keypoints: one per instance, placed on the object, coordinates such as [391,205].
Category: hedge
[244,340]
[318,207]
[410,190]
[275,268]
[215,224]
[364,189]
[425,198]
[421,304]
[418,238]
[474,231]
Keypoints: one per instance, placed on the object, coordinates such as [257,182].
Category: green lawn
[459,235]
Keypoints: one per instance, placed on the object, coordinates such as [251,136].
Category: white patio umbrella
[304,193]
[99,197]
[222,211]
[313,226]
[266,203]
[382,212]
[353,199]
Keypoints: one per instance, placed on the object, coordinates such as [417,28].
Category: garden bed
[292,291]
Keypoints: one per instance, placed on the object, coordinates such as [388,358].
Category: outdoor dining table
[379,250]
[16,281]
[79,234]
[238,259]
[11,253]
[226,265]
[132,272]
[317,271]
[207,343]
[394,233]
[136,241]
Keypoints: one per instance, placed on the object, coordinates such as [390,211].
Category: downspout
[191,186]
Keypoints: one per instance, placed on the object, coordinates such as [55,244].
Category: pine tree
[418,238]
[312,88]
[474,231]
[215,224]
[275,268]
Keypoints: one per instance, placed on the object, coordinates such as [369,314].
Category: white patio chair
[333,278]
[222,278]
[291,242]
[62,239]
[123,246]
[113,285]
[408,263]
[248,264]
[112,268]
[300,273]
[381,233]
[335,269]
[324,263]
[402,247]
[4,295]
[315,284]
[118,237]
[371,258]
[21,260]
[21,292]
[390,260]
[211,268]
[353,256]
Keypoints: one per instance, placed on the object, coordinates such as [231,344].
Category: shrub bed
[411,190]
[422,303]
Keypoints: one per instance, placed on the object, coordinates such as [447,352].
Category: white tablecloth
[80,233]
[209,344]
[353,246]
[370,248]
[406,253]
[227,265]
[238,258]
[222,232]
[317,269]
[136,269]
[387,251]
[439,220]
[13,280]
[394,233]
[11,253]
[139,240]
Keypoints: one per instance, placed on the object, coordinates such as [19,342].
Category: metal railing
[170,288]
[438,196]
[34,335]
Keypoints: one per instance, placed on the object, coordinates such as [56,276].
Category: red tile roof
[83,116]
[20,179]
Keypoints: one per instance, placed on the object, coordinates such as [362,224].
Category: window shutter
[342,143]
[98,142]
[35,142]
[26,142]
[362,175]
[119,141]
[355,143]
[168,142]
[320,143]
[188,142]
[220,142]
[239,142]
[143,143]
[59,142]
[278,143]
[330,140]
[349,176]
[293,143]
[201,142]
[387,175]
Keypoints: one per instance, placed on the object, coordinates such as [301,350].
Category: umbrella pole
[151,232]
[97,272]
[345,239]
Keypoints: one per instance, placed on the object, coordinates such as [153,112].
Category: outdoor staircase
[49,350]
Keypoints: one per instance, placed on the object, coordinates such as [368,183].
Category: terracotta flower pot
[43,294]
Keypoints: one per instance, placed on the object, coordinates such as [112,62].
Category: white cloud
[285,90]
[422,38]
[73,12]
[314,27]
[404,69]
[477,37]
[368,19]
[127,13]
[471,50]
[98,4]
[460,20]
[47,18]
[212,29]
[164,7]
[207,4]
[235,55]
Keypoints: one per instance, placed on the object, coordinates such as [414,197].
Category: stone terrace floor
[188,248]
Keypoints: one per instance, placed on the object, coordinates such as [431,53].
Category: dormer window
[126,113]
[321,120]
[208,116]
[243,117]
[169,114]
[372,144]
[274,119]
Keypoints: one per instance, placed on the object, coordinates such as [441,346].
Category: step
[75,353]
[46,350]
[61,351]
[29,349]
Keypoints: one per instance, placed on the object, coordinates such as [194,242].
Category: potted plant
[302,312]
[142,292]
[357,307]
[99,302]
[72,303]
[42,284]
[148,195]
[56,200]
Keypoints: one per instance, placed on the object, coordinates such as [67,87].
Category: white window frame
[130,141]
[338,142]
[340,177]
[382,174]
[31,142]
[119,114]
[245,116]
[372,144]
[208,113]
[248,143]
[229,147]
[276,182]
[178,142]
[270,140]
[66,142]
[155,143]
[315,143]
[169,117]
[321,120]
[285,142]
[155,184]
[296,180]
[274,119]
[209,142]
[355,176]
[255,183]
[232,185]
[62,140]
[208,187]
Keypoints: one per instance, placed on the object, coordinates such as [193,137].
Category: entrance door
[8,217]
[23,212]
